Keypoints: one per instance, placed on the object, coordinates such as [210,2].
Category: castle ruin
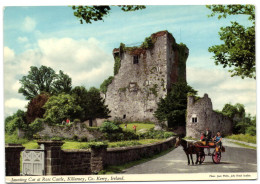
[145,74]
[200,115]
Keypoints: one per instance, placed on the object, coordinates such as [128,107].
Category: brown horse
[191,148]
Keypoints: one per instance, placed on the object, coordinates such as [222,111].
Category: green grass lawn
[243,137]
[139,126]
[83,145]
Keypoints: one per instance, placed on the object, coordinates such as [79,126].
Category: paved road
[235,159]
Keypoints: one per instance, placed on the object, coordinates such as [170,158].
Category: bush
[168,134]
[14,139]
[156,134]
[75,138]
[84,146]
[76,121]
[83,139]
[124,144]
[57,138]
[110,127]
[251,130]
[34,127]
[122,136]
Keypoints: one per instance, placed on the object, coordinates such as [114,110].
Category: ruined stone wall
[137,88]
[202,110]
[76,129]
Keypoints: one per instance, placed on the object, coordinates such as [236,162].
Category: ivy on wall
[117,64]
[105,84]
[182,57]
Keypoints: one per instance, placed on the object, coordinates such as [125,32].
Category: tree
[60,107]
[35,107]
[97,13]
[62,83]
[242,123]
[96,106]
[238,50]
[173,107]
[44,79]
[92,104]
[17,120]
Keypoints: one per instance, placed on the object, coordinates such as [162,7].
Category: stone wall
[136,89]
[76,129]
[75,162]
[83,162]
[12,159]
[202,111]
[118,156]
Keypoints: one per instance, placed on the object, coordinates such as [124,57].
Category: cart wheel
[216,157]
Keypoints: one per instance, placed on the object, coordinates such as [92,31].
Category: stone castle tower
[144,76]
[200,115]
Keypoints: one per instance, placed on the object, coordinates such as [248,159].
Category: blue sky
[52,36]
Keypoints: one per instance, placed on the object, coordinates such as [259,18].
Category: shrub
[168,134]
[124,144]
[76,121]
[34,127]
[110,127]
[84,146]
[57,138]
[75,138]
[14,139]
[156,134]
[83,139]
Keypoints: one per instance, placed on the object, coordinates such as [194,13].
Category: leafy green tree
[92,104]
[35,107]
[251,130]
[97,13]
[173,107]
[238,49]
[62,83]
[61,107]
[236,111]
[44,79]
[17,120]
[242,123]
[96,106]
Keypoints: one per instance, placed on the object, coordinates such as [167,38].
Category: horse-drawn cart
[216,155]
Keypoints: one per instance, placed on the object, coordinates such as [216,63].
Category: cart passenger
[218,139]
[202,137]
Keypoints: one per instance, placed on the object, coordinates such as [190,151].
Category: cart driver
[208,137]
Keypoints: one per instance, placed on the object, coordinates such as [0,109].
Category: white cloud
[16,86]
[22,39]
[222,88]
[8,54]
[29,24]
[85,61]
[15,103]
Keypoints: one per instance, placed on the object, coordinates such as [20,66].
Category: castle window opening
[135,59]
[124,116]
[158,69]
[194,118]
